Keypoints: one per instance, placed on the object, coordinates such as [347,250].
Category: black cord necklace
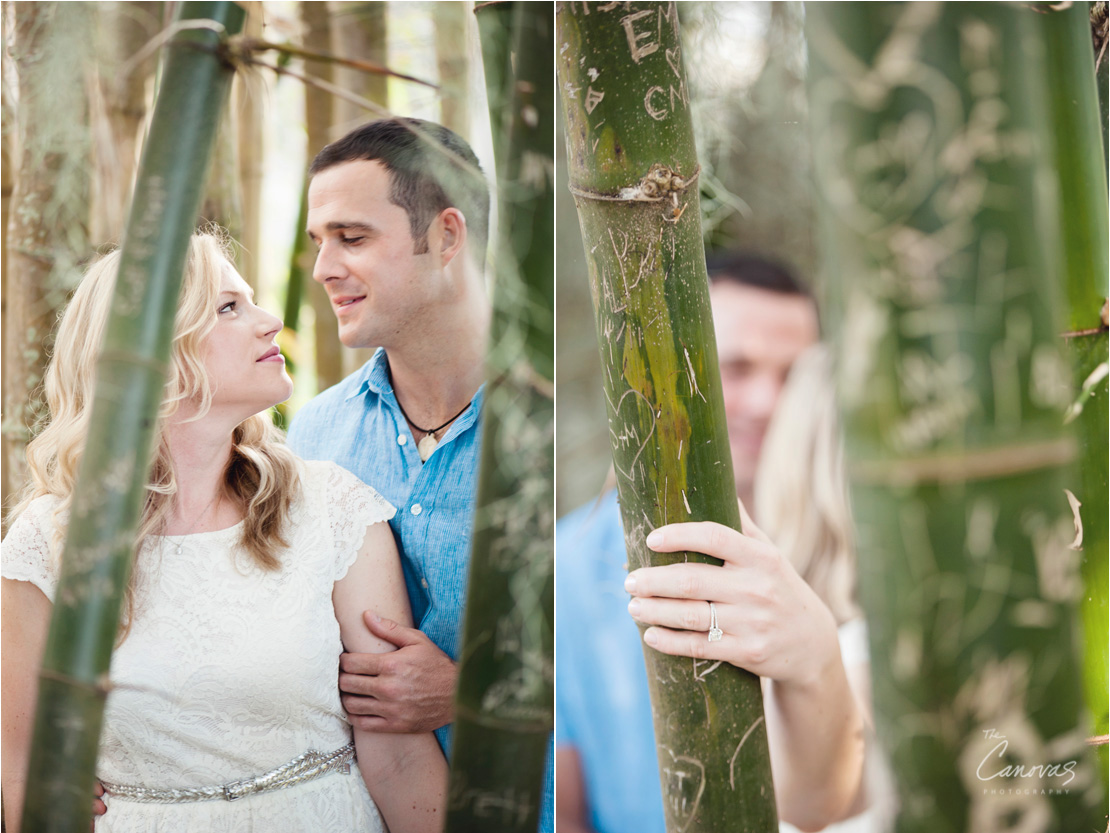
[429,441]
[430,430]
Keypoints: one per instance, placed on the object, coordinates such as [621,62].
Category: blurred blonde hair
[801,497]
[261,476]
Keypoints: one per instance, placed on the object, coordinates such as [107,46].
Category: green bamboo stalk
[929,122]
[633,170]
[131,373]
[505,697]
[1076,125]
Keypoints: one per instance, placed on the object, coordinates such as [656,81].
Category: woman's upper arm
[373,582]
[24,623]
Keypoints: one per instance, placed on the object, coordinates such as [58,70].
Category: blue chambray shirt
[359,425]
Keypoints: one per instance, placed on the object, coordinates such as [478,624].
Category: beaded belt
[303,768]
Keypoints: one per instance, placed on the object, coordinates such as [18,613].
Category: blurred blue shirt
[359,425]
[602,707]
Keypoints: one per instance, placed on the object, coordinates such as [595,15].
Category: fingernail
[650,637]
[655,538]
[634,607]
[377,617]
[630,583]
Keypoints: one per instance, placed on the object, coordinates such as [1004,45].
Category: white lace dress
[229,671]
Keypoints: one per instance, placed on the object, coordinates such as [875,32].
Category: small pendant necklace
[429,441]
[193,526]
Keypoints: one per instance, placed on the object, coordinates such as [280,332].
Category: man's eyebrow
[345,226]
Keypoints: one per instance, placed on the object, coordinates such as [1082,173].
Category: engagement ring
[715,633]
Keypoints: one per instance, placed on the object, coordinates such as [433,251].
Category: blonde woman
[252,572]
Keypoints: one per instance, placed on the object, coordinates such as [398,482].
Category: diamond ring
[715,633]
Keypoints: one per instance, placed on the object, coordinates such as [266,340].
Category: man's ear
[454,233]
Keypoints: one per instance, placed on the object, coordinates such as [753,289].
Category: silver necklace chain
[192,528]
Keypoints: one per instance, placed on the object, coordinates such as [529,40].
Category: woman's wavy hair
[801,494]
[261,476]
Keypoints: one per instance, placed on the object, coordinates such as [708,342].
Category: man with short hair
[399,212]
[605,745]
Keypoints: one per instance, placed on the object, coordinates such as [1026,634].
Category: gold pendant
[426,446]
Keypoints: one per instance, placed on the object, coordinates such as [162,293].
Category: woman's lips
[272,355]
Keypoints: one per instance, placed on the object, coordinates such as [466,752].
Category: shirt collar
[374,376]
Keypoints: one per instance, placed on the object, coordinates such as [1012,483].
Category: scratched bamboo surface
[633,171]
[936,174]
[131,372]
[505,698]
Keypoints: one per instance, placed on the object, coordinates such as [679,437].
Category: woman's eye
[228,307]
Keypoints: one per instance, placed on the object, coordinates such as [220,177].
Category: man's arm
[571,805]
[409,690]
[405,773]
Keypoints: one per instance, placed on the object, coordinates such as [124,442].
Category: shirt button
[402,439]
[424,583]
[416,509]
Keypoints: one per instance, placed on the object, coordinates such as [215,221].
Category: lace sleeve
[352,506]
[32,549]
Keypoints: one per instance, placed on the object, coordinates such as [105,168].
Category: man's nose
[755,398]
[326,266]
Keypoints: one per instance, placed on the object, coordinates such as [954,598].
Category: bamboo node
[659,183]
[100,687]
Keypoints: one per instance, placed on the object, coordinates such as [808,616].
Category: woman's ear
[454,234]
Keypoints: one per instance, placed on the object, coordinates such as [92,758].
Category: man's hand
[409,690]
[99,807]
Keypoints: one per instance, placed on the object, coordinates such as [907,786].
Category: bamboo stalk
[929,121]
[452,60]
[505,697]
[131,373]
[47,235]
[320,122]
[1076,125]
[633,171]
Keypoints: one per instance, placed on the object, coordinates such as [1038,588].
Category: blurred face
[759,335]
[245,369]
[379,289]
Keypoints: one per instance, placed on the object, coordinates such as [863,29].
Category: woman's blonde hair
[261,476]
[801,497]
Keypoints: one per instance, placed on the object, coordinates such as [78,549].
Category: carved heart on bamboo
[683,785]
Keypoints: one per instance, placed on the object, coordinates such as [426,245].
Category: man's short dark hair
[755,271]
[424,179]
